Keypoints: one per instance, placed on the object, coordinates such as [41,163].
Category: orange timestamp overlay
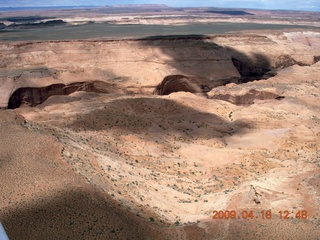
[264,214]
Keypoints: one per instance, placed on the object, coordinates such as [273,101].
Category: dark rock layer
[33,96]
[181,83]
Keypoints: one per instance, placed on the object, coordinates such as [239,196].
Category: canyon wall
[138,66]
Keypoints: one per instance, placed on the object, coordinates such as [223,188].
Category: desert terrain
[145,136]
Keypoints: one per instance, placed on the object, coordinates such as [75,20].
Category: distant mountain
[31,25]
[12,9]
[25,19]
[141,5]
[237,13]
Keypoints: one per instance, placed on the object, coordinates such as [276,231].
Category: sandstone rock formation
[34,96]
[113,161]
[139,66]
[243,96]
[284,61]
[180,83]
[251,69]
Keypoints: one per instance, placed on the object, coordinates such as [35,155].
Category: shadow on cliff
[211,65]
[198,55]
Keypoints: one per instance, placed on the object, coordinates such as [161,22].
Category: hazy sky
[311,5]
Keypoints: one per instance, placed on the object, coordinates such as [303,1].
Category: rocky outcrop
[34,96]
[244,97]
[316,59]
[251,71]
[181,83]
[286,60]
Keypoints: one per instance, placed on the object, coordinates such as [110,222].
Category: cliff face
[32,96]
[181,83]
[140,65]
[129,65]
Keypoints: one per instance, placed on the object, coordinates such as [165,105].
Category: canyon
[144,138]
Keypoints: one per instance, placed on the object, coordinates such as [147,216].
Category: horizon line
[163,5]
